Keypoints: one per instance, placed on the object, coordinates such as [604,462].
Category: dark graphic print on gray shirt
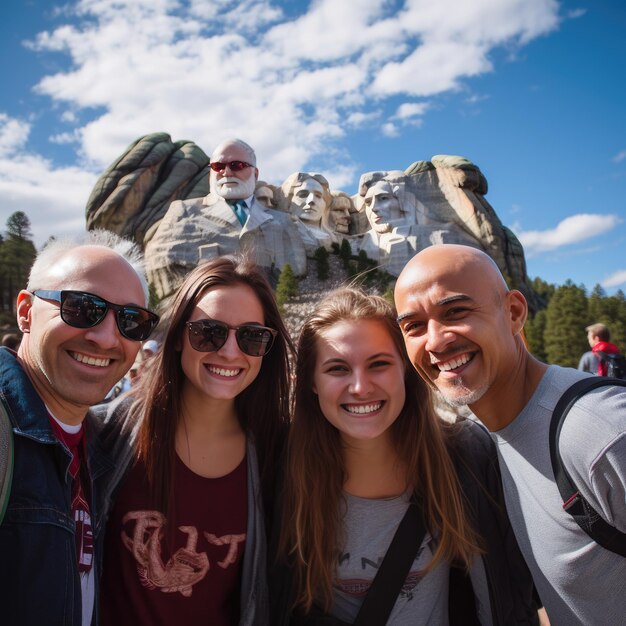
[369,529]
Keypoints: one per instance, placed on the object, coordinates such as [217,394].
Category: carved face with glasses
[83,326]
[233,175]
[223,344]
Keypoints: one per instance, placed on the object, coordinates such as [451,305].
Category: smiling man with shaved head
[463,332]
[83,318]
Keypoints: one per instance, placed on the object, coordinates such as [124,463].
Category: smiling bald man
[463,332]
[83,318]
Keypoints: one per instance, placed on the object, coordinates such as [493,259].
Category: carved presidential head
[308,197]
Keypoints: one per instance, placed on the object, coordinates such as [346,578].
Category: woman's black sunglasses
[210,335]
[85,310]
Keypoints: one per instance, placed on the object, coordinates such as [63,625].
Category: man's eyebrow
[449,299]
[461,297]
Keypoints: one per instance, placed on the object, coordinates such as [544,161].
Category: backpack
[615,364]
[6,459]
[573,501]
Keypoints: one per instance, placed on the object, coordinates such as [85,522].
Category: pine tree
[543,290]
[17,254]
[362,262]
[287,286]
[597,306]
[18,225]
[321,263]
[566,319]
[617,324]
[345,252]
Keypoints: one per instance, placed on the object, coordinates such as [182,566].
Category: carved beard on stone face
[232,188]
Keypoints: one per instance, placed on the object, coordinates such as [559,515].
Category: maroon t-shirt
[185,572]
[81,513]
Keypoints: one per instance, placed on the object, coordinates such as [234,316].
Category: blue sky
[532,91]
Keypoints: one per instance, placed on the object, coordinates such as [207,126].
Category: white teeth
[89,360]
[223,372]
[453,363]
[361,409]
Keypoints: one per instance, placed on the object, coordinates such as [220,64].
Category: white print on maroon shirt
[83,532]
[186,566]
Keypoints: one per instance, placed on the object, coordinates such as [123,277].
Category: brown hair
[312,519]
[262,408]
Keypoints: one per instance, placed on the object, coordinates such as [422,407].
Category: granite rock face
[393,215]
[132,196]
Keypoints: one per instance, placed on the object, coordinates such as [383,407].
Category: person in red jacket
[599,339]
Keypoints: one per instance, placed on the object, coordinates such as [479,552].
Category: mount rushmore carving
[182,207]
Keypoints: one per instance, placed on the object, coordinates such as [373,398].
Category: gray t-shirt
[370,526]
[578,581]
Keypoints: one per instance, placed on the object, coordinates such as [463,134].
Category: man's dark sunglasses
[85,310]
[235,166]
[210,335]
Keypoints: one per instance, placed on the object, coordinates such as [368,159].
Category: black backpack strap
[394,569]
[573,502]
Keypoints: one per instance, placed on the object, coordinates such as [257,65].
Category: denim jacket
[39,579]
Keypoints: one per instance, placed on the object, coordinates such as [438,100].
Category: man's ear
[256,173]
[518,310]
[24,308]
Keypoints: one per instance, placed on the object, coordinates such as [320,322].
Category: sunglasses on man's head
[85,310]
[235,166]
[210,335]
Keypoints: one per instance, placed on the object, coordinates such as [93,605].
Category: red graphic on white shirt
[83,531]
[186,566]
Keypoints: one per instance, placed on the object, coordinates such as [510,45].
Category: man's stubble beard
[463,395]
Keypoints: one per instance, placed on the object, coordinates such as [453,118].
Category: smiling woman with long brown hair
[365,447]
[186,537]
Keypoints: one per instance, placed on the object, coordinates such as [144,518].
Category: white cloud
[359,118]
[573,229]
[13,135]
[576,13]
[389,130]
[207,69]
[410,110]
[617,279]
[619,157]
[214,68]
[65,138]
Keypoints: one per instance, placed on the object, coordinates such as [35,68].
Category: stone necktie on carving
[240,210]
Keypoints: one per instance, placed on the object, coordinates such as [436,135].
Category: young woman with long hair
[196,446]
[365,441]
